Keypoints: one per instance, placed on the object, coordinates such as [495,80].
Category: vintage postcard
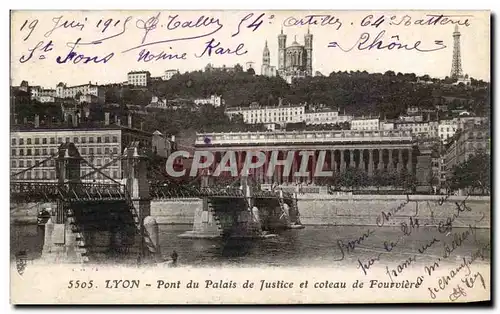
[250,157]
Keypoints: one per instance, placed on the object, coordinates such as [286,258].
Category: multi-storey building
[325,116]
[168,74]
[426,129]
[99,146]
[139,78]
[365,124]
[63,91]
[214,100]
[446,129]
[465,144]
[281,114]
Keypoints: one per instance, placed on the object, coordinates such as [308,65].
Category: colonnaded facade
[392,150]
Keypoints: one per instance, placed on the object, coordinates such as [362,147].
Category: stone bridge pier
[225,216]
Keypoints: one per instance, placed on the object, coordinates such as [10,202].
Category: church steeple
[266,58]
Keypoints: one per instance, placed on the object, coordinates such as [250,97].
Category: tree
[473,174]
[238,68]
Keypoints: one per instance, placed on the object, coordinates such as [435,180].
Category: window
[21,152]
[99,139]
[98,162]
[91,139]
[67,140]
[52,151]
[84,139]
[52,140]
[13,141]
[44,140]
[106,150]
[106,139]
[99,150]
[91,151]
[115,174]
[28,141]
[21,141]
[115,150]
[44,151]
[21,163]
[13,164]
[75,139]
[44,174]
[13,152]
[52,174]
[37,152]
[84,151]
[37,141]
[28,152]
[28,163]
[28,175]
[59,140]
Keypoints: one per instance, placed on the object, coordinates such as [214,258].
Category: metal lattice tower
[456,63]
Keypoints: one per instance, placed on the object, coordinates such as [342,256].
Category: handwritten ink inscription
[163,28]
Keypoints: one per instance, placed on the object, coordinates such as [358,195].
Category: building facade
[139,78]
[365,124]
[295,61]
[281,114]
[214,100]
[267,69]
[63,91]
[168,74]
[98,146]
[333,151]
[446,129]
[423,129]
[465,144]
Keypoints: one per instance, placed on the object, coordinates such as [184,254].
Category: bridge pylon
[137,184]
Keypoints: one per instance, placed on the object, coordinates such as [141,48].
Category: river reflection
[312,246]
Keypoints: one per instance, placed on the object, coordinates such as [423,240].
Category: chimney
[118,122]
[129,121]
[106,118]
[37,121]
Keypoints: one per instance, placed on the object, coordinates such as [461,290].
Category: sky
[247,30]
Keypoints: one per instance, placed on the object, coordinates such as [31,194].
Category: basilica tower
[281,51]
[308,40]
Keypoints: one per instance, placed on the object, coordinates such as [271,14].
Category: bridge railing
[51,191]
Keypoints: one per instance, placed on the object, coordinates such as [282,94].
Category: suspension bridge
[112,217]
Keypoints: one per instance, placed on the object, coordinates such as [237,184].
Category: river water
[314,246]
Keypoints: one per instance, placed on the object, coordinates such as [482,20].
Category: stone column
[313,167]
[391,163]
[352,164]
[240,161]
[361,164]
[380,159]
[294,167]
[279,171]
[342,160]
[410,160]
[370,161]
[265,167]
[333,162]
[400,160]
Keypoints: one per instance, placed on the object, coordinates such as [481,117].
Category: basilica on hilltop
[294,61]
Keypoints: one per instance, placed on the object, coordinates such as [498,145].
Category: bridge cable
[98,171]
[101,168]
